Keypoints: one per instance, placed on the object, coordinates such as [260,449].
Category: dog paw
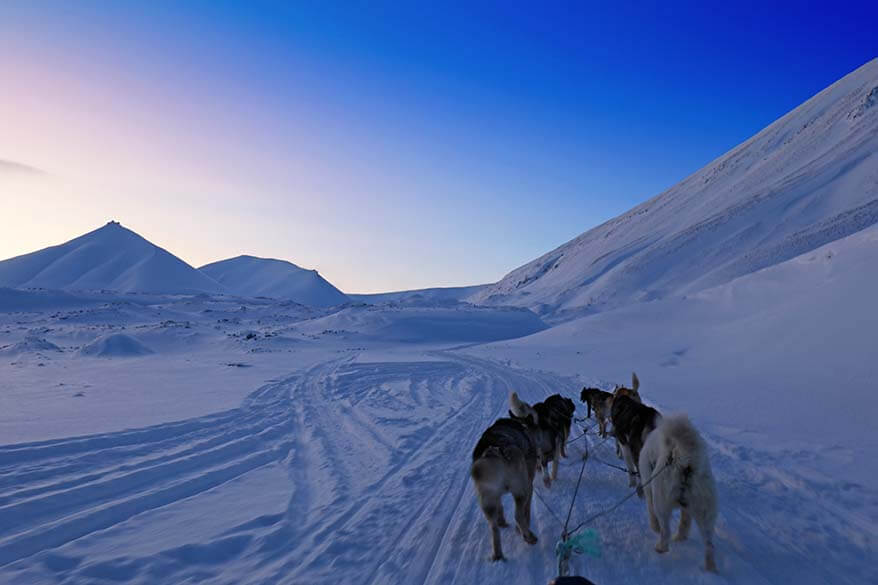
[529,537]
[680,537]
[502,523]
[710,566]
[546,481]
[661,548]
[497,557]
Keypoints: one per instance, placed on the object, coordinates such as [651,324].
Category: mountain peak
[111,257]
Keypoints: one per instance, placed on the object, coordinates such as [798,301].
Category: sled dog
[560,411]
[548,432]
[677,456]
[632,423]
[505,460]
[599,402]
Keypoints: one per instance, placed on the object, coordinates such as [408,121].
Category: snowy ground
[218,440]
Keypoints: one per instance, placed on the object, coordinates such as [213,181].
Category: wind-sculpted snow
[808,179]
[357,471]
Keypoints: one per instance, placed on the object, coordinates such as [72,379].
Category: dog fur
[600,402]
[549,423]
[560,411]
[518,408]
[687,483]
[505,460]
[632,423]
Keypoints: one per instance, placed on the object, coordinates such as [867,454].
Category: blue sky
[390,145]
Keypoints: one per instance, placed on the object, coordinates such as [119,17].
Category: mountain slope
[250,276]
[809,178]
[111,257]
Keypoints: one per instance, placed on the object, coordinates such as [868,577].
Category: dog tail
[635,383]
[520,408]
[682,443]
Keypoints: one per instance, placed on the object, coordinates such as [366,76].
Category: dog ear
[635,383]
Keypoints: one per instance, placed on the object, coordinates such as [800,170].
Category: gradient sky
[389,145]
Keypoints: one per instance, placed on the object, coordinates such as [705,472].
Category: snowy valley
[248,422]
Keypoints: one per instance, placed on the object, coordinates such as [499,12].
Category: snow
[809,178]
[431,295]
[458,322]
[115,345]
[111,258]
[266,277]
[248,439]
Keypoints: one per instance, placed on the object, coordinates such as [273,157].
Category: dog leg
[491,506]
[501,516]
[663,515]
[544,469]
[653,520]
[705,527]
[556,456]
[685,524]
[522,517]
[629,463]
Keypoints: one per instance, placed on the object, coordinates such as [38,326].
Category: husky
[600,402]
[631,393]
[559,411]
[632,423]
[676,456]
[505,460]
[549,422]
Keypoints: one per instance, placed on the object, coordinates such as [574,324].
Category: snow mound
[115,345]
[250,276]
[806,180]
[463,323]
[109,258]
[30,344]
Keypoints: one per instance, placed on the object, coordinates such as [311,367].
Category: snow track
[371,460]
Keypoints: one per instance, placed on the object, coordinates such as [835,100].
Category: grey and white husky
[505,461]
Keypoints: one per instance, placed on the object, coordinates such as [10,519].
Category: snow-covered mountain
[250,276]
[809,178]
[112,258]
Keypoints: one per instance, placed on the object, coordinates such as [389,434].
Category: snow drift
[809,178]
[115,345]
[109,258]
[463,323]
[250,276]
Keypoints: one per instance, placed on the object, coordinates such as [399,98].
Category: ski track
[377,456]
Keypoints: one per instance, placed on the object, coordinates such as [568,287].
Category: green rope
[585,542]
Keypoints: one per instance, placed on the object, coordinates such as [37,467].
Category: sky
[389,145]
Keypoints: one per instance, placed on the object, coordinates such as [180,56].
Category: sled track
[377,460]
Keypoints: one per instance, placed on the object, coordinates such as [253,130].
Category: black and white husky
[674,458]
[549,422]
